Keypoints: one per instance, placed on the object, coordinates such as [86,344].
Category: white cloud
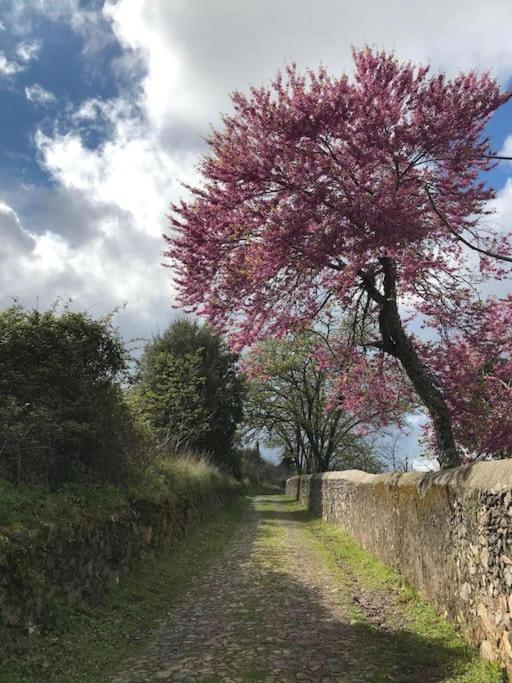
[14,239]
[134,25]
[123,188]
[88,110]
[501,220]
[27,52]
[506,150]
[129,171]
[9,67]
[116,264]
[196,53]
[105,114]
[85,18]
[39,95]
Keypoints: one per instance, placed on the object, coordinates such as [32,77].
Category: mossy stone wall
[448,533]
[57,565]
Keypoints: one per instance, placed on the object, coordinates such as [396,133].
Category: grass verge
[31,506]
[420,637]
[90,644]
[165,481]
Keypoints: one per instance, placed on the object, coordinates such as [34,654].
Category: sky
[104,105]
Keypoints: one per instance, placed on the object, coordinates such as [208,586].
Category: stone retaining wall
[448,533]
[69,563]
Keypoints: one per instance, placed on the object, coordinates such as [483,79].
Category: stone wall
[73,561]
[448,533]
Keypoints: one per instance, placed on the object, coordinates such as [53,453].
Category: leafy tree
[289,401]
[362,192]
[189,391]
[172,400]
[62,411]
[478,377]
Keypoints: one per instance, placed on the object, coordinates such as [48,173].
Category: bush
[166,481]
[259,473]
[63,416]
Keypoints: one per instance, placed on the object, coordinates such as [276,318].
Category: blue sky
[60,68]
[103,105]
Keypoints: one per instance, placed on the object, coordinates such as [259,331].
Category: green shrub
[63,416]
[32,506]
[258,473]
[164,481]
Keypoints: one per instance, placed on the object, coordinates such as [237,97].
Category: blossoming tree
[359,194]
[288,404]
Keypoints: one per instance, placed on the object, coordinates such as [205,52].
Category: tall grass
[170,477]
[164,480]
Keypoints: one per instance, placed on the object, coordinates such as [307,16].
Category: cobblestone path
[274,610]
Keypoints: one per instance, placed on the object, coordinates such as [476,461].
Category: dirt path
[275,610]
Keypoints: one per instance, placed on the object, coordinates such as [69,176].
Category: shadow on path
[397,653]
[273,611]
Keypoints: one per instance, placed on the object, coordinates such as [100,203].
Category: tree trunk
[397,343]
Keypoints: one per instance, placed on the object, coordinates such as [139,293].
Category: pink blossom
[311,183]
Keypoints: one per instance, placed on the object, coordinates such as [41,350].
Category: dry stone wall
[70,563]
[448,533]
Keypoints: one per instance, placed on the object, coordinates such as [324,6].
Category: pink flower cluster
[473,363]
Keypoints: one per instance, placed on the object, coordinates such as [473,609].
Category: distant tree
[258,471]
[189,392]
[290,403]
[359,455]
[62,411]
[392,454]
[367,191]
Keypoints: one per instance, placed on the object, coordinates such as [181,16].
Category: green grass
[32,506]
[255,674]
[165,481]
[420,636]
[90,644]
[170,479]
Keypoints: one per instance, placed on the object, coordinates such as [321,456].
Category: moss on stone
[87,645]
[61,550]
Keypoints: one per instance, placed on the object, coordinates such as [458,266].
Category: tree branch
[446,223]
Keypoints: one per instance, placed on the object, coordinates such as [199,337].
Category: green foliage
[172,401]
[188,391]
[166,480]
[259,474]
[62,412]
[32,506]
